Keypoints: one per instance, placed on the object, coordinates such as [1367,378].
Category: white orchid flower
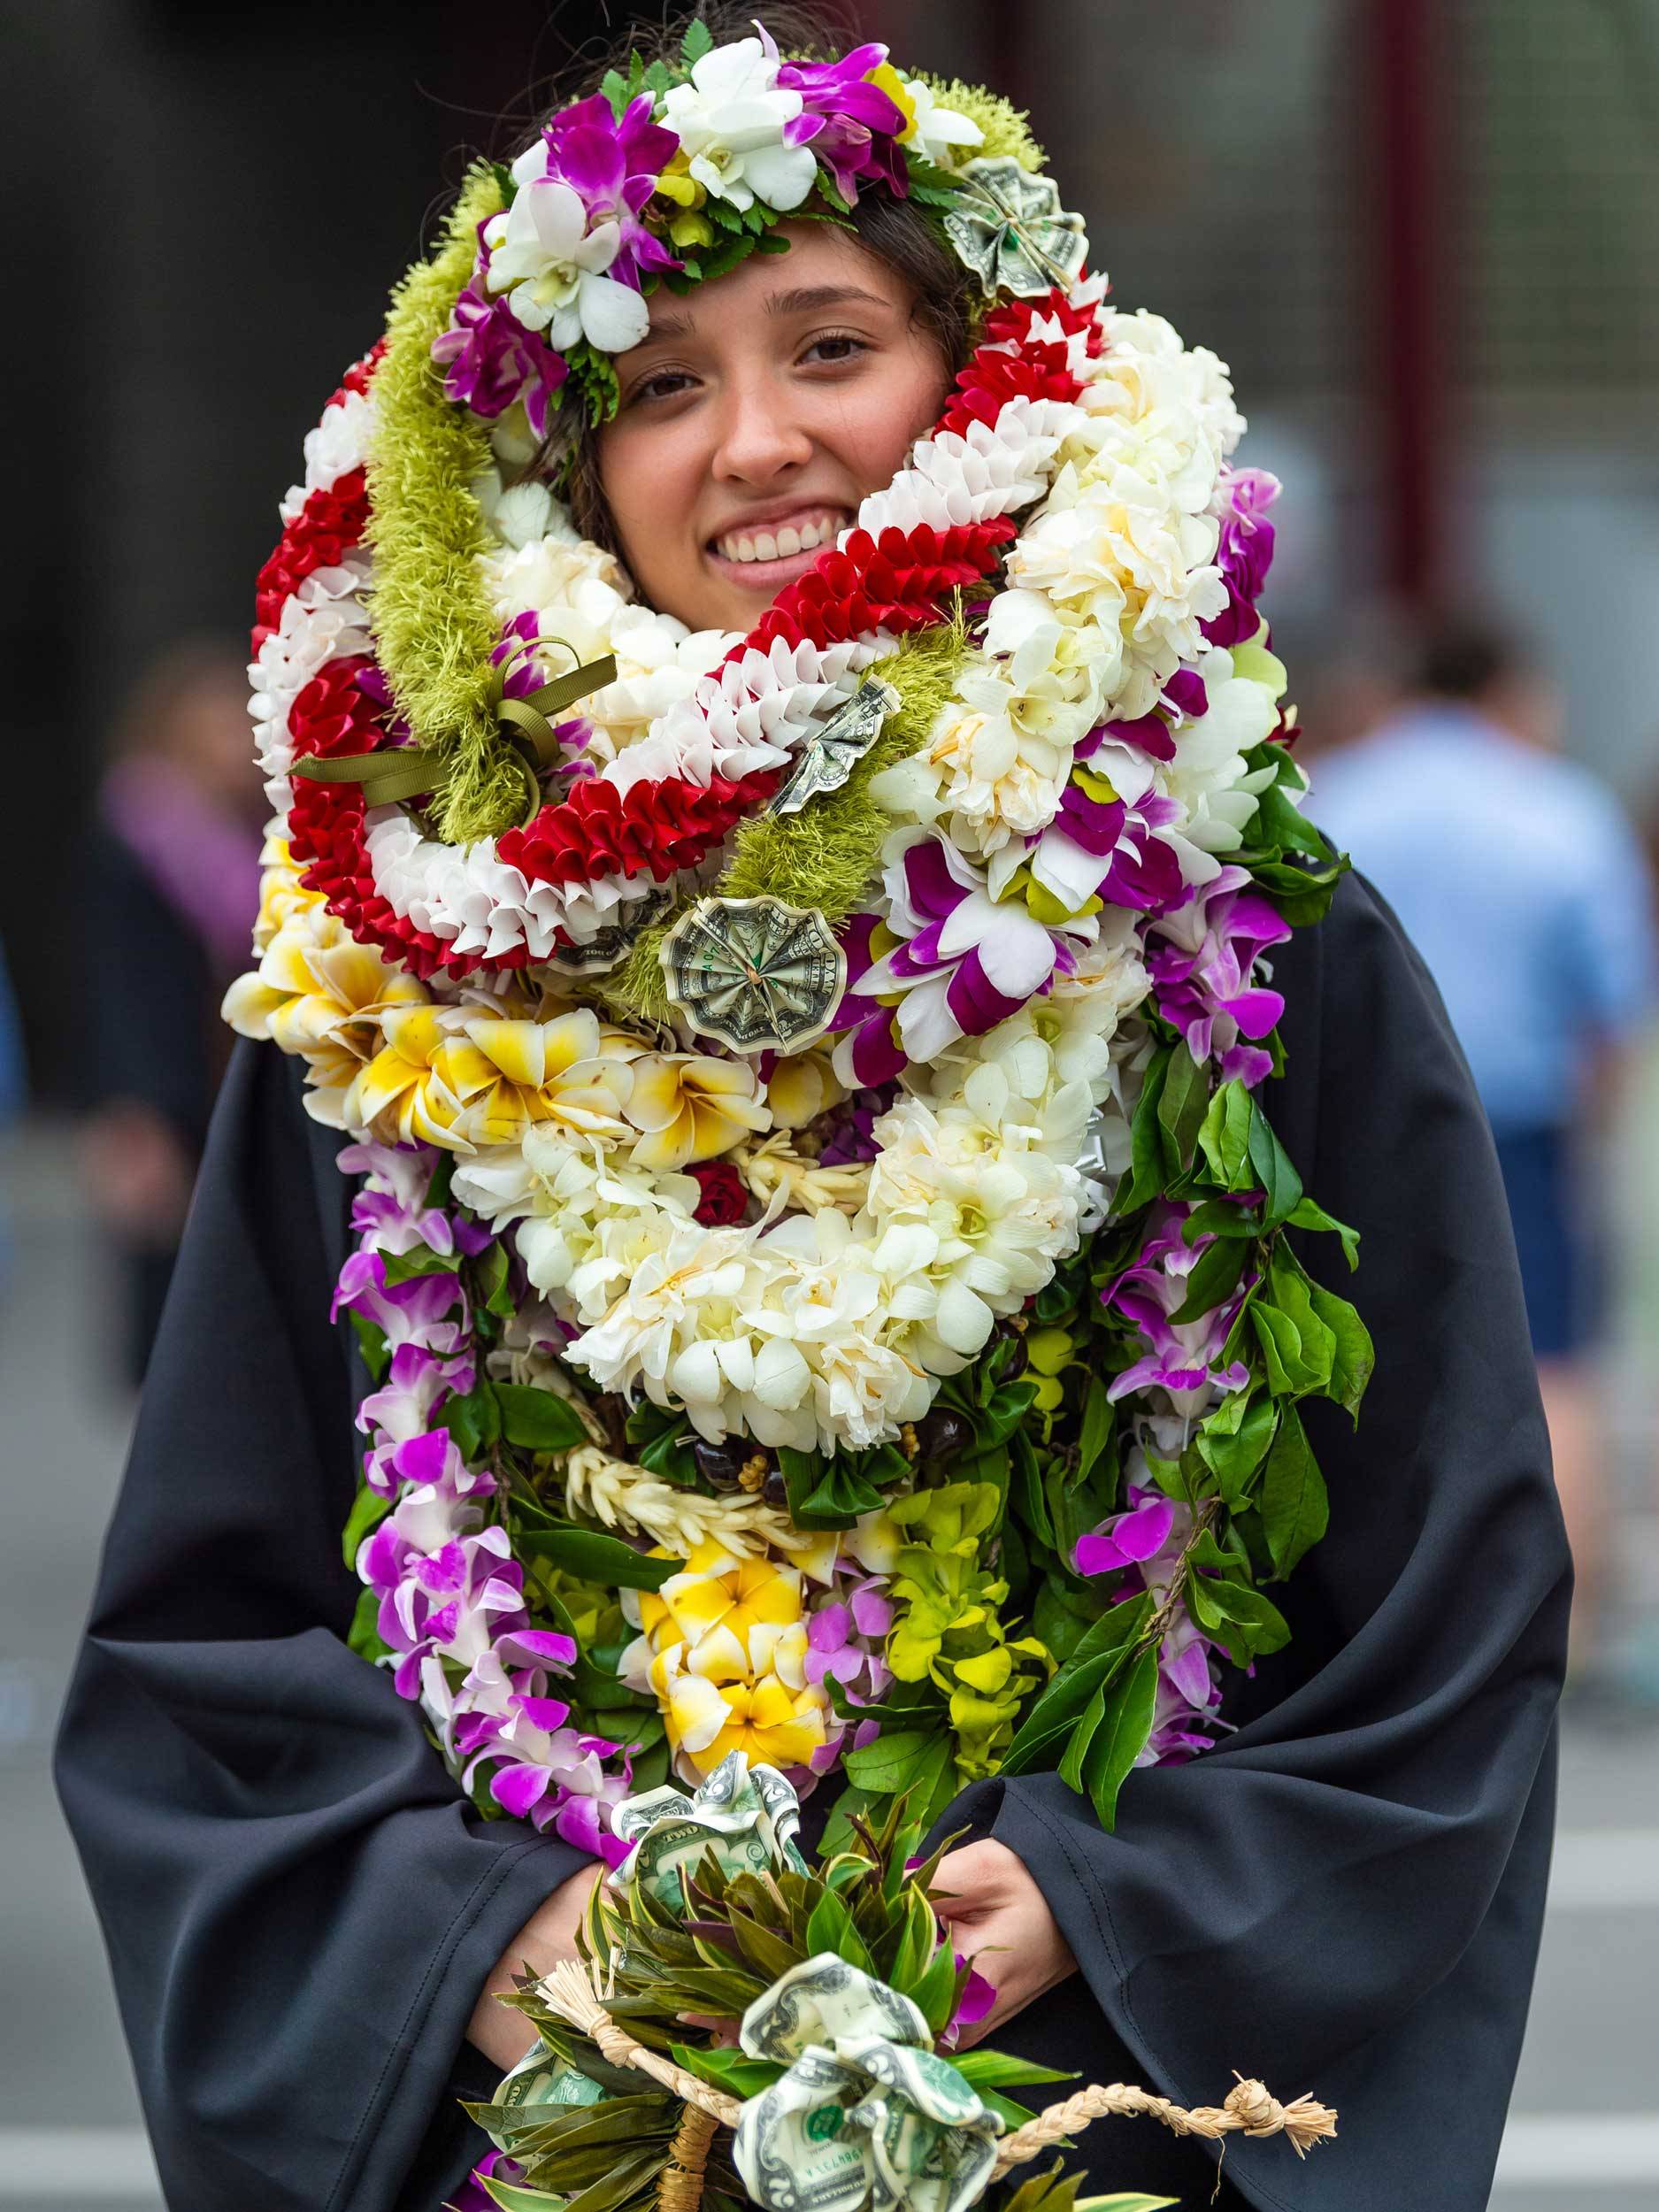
[730,121]
[542,254]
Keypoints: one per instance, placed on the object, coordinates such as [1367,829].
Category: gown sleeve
[300,1906]
[1345,1896]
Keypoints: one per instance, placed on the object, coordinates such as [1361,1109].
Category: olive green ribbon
[525,724]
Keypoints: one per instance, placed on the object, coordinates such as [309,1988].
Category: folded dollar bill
[749,1816]
[868,2113]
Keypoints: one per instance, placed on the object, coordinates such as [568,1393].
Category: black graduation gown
[1344,1897]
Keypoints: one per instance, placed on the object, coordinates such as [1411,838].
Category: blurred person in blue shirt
[1524,887]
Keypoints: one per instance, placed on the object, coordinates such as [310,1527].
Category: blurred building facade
[1421,231]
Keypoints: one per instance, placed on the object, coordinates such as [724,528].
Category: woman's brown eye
[837,349]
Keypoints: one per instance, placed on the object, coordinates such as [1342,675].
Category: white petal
[782,176]
[614,317]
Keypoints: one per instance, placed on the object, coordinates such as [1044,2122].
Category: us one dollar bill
[866,2114]
[747,1815]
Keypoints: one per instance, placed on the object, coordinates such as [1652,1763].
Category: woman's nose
[761,434]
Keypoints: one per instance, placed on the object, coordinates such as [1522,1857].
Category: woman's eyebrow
[813,299]
[804,299]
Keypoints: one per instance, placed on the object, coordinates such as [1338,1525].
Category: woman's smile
[772,547]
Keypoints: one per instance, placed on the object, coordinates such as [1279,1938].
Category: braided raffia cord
[1249,2109]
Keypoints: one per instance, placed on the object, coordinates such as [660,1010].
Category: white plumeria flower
[729,120]
[542,254]
[938,130]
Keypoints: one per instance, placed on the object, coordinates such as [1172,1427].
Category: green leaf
[730,2070]
[900,1759]
[1117,1737]
[1224,1137]
[537,1420]
[830,1928]
[370,1508]
[1143,1178]
[1246,1622]
[1352,1358]
[1001,2070]
[698,41]
[372,1348]
[825,1494]
[490,1280]
[1214,1279]
[513,2198]
[1234,1440]
[935,1993]
[1182,1105]
[1293,1507]
[1273,1171]
[403,1267]
[1100,1425]
[1308,1214]
[363,1635]
[475,1421]
[1292,1291]
[596,1557]
[1065,1708]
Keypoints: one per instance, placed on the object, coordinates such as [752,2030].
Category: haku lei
[918,1399]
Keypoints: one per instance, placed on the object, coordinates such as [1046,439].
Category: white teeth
[764,546]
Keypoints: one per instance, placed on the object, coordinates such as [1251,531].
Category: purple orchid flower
[472,2196]
[1142,869]
[1201,958]
[1184,1354]
[1146,1544]
[492,359]
[399,1413]
[1244,556]
[852,126]
[415,1312]
[612,167]
[961,963]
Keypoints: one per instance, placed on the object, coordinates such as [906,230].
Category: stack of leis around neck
[820,1246]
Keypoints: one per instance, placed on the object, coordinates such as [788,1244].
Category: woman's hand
[998,1918]
[547,1937]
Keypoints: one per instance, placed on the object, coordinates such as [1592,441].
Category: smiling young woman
[797,998]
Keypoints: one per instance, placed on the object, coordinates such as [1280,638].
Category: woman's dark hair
[896,233]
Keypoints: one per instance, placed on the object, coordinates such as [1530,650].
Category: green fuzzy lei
[434,628]
[824,856]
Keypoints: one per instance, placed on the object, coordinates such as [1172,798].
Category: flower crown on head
[671,176]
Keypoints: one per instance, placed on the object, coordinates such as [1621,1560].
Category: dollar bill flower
[723,1648]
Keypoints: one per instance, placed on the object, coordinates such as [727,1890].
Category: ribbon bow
[524,724]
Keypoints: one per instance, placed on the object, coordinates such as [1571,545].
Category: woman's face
[759,412]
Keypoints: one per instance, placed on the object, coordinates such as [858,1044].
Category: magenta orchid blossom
[1201,958]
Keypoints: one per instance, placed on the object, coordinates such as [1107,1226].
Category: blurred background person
[170,885]
[1527,891]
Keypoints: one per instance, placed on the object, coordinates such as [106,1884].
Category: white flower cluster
[1109,585]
